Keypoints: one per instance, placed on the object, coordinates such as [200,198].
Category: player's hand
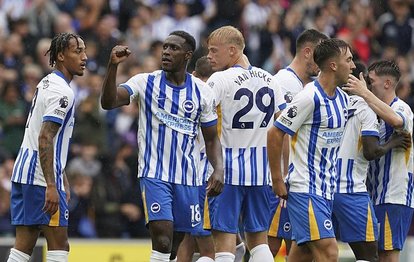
[279,188]
[119,53]
[51,200]
[215,183]
[401,139]
[356,86]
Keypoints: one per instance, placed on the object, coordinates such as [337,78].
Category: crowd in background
[102,165]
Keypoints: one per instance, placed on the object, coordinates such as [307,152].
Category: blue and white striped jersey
[316,123]
[391,176]
[290,83]
[168,124]
[52,101]
[351,165]
[248,100]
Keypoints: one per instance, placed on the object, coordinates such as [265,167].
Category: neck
[328,83]
[175,78]
[388,98]
[68,76]
[240,61]
[299,66]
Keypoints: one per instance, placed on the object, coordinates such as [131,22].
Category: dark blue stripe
[228,165]
[339,174]
[266,173]
[331,170]
[189,94]
[242,171]
[322,167]
[175,101]
[59,142]
[199,110]
[370,133]
[208,124]
[52,119]
[184,161]
[128,89]
[193,162]
[173,157]
[25,155]
[160,151]
[376,176]
[32,168]
[148,131]
[205,168]
[162,96]
[282,106]
[350,180]
[313,144]
[409,189]
[387,165]
[283,128]
[338,113]
[17,164]
[329,113]
[344,104]
[253,166]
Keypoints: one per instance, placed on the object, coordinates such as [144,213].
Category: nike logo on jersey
[195,224]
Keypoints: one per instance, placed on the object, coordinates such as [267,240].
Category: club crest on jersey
[292,112]
[327,224]
[45,83]
[66,214]
[64,102]
[155,207]
[286,227]
[188,106]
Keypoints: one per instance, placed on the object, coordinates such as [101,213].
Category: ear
[333,66]
[388,84]
[60,57]
[188,55]
[232,50]
[307,52]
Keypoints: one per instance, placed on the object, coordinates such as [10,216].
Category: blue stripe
[266,174]
[160,151]
[32,168]
[331,170]
[284,128]
[403,118]
[189,94]
[253,166]
[148,116]
[208,124]
[184,161]
[293,72]
[58,153]
[128,89]
[173,157]
[52,119]
[193,162]
[376,178]
[409,189]
[322,167]
[290,168]
[344,103]
[338,113]
[339,174]
[329,114]
[370,133]
[17,164]
[350,180]
[203,157]
[369,181]
[175,101]
[228,165]
[199,110]
[387,165]
[162,96]
[242,170]
[313,144]
[282,106]
[25,155]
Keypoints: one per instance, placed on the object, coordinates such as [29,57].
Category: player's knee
[331,252]
[162,243]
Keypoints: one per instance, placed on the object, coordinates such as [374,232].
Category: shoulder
[53,84]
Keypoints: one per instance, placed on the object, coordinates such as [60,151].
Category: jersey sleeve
[217,86]
[296,113]
[369,121]
[280,102]
[57,105]
[208,107]
[405,114]
[135,85]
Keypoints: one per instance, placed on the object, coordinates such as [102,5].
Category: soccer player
[40,189]
[360,144]
[292,79]
[173,104]
[248,98]
[315,119]
[390,177]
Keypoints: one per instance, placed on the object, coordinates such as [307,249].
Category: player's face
[312,68]
[218,55]
[174,55]
[75,57]
[345,66]
[376,83]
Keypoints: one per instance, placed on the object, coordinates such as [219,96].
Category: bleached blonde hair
[228,35]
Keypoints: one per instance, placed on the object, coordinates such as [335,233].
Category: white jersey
[248,100]
[351,165]
[168,124]
[391,176]
[53,101]
[316,123]
[290,83]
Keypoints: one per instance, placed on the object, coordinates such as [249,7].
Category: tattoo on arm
[46,150]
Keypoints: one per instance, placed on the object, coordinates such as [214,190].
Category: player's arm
[359,87]
[215,157]
[113,96]
[274,151]
[372,149]
[46,155]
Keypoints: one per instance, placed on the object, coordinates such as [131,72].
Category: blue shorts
[310,216]
[205,212]
[394,223]
[26,204]
[251,202]
[280,226]
[354,218]
[173,202]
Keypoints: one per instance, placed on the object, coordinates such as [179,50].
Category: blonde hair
[228,35]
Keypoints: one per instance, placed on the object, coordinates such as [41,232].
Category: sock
[362,260]
[159,257]
[18,256]
[261,253]
[240,251]
[57,256]
[224,257]
[196,256]
[205,259]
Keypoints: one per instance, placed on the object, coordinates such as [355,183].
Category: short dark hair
[385,68]
[203,67]
[310,36]
[189,39]
[59,43]
[327,49]
[359,68]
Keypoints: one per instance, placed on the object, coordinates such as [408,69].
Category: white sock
[18,256]
[224,257]
[205,259]
[362,261]
[159,257]
[57,256]
[196,256]
[240,251]
[261,253]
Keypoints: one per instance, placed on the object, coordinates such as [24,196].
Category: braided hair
[59,43]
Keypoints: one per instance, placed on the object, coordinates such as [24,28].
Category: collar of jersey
[394,100]
[186,83]
[293,72]
[318,85]
[250,67]
[59,73]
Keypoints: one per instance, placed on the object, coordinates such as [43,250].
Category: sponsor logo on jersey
[292,112]
[64,102]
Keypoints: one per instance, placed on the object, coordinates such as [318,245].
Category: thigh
[280,226]
[255,209]
[157,197]
[186,209]
[56,237]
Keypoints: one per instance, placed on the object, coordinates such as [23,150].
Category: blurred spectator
[12,55]
[65,23]
[41,58]
[41,16]
[12,118]
[32,74]
[87,163]
[138,39]
[6,170]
